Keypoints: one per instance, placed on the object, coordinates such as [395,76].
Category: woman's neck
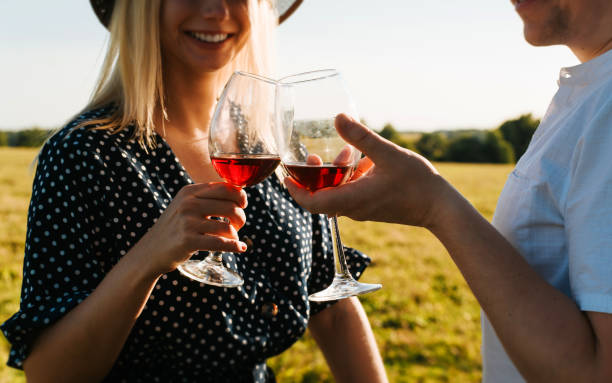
[189,105]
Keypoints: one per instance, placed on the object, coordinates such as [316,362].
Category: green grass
[15,185]
[425,320]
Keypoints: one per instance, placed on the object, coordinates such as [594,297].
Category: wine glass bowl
[243,150]
[315,155]
[244,170]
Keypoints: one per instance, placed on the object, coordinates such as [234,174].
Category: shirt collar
[588,72]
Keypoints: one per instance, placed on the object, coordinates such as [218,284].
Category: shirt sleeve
[588,216]
[60,268]
[323,267]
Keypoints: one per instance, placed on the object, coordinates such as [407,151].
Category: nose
[214,9]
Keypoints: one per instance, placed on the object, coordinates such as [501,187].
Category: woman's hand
[187,226]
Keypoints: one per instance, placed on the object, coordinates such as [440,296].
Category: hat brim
[289,11]
[104,9]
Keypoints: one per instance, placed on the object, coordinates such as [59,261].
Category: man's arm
[543,331]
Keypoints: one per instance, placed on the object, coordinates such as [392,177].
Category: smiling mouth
[214,38]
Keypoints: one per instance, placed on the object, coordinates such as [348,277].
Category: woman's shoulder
[80,140]
[83,133]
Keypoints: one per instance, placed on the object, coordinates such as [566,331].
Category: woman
[117,205]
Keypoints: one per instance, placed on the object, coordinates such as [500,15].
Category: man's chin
[538,39]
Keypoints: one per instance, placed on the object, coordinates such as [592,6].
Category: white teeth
[210,37]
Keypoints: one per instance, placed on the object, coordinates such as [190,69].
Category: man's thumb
[358,135]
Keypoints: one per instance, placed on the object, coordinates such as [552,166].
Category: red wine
[314,177]
[245,169]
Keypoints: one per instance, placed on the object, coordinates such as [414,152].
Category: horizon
[420,66]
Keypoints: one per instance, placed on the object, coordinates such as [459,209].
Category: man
[542,271]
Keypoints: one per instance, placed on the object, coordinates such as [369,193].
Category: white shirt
[556,206]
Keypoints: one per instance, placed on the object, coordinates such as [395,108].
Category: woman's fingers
[216,243]
[218,235]
[194,206]
[216,208]
[217,190]
[216,227]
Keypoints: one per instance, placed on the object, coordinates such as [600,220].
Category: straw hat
[104,9]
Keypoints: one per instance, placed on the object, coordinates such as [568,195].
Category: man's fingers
[321,201]
[344,157]
[367,141]
[314,159]
[299,194]
[365,164]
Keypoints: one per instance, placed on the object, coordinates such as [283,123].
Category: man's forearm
[543,331]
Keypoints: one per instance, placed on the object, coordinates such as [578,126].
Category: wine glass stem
[216,257]
[340,263]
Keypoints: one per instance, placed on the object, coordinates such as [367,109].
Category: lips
[520,3]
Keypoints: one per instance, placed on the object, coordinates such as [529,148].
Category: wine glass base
[343,287]
[210,273]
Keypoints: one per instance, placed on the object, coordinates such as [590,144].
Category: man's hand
[391,184]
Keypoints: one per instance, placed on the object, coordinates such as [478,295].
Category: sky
[419,65]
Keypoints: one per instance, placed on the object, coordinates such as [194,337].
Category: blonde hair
[131,77]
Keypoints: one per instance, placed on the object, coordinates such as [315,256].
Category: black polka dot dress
[96,194]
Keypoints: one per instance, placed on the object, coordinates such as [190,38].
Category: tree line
[505,144]
[32,137]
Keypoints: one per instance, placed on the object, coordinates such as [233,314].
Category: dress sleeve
[588,216]
[60,268]
[323,267]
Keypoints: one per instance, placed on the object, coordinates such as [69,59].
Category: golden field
[425,319]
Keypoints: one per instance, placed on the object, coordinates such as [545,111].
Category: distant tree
[32,137]
[518,132]
[389,132]
[466,148]
[3,138]
[488,146]
[406,143]
[496,149]
[432,146]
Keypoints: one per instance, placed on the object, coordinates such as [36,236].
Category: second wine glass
[243,150]
[315,155]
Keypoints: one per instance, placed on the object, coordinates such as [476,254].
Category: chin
[539,38]
[210,66]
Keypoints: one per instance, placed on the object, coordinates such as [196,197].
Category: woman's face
[202,35]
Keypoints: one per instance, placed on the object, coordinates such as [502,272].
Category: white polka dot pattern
[95,195]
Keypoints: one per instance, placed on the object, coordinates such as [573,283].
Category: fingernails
[242,246]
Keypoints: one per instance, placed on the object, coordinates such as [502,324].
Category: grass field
[425,320]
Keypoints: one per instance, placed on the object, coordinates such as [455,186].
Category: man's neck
[586,53]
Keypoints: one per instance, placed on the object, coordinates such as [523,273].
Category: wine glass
[243,150]
[315,155]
